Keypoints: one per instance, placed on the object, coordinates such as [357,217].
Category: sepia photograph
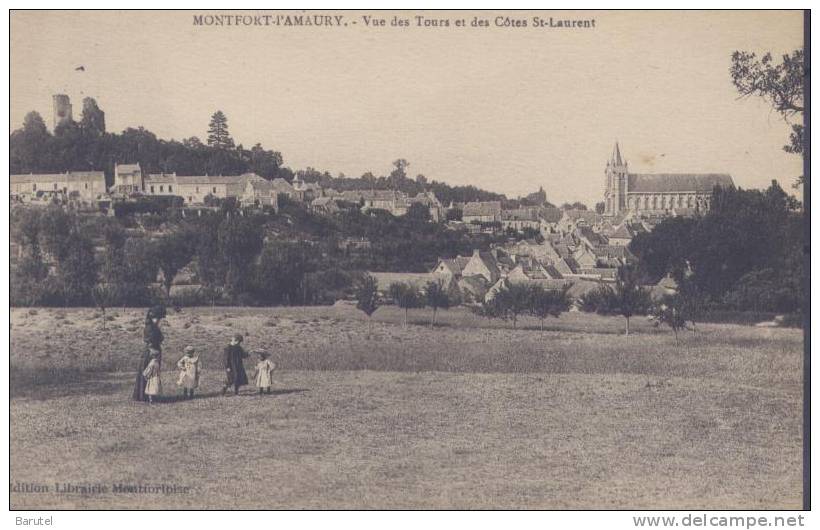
[408,260]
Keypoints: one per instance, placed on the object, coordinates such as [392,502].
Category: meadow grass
[469,414]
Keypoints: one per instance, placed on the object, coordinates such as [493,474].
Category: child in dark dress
[235,375]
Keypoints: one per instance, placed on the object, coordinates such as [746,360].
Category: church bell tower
[615,193]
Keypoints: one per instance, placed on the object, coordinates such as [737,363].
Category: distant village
[561,246]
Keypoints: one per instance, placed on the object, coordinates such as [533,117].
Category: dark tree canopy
[85,146]
[93,118]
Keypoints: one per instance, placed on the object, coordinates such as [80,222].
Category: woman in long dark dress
[152,336]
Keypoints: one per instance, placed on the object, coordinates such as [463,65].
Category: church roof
[677,182]
[616,156]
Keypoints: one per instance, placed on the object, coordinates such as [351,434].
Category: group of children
[189,370]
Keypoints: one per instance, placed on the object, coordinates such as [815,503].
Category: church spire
[616,155]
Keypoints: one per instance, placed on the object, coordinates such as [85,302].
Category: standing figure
[153,383]
[188,372]
[235,375]
[264,372]
[152,338]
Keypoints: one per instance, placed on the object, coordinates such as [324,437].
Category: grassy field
[471,414]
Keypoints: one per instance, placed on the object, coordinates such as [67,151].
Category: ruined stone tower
[62,109]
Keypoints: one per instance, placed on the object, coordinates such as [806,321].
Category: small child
[264,372]
[188,372]
[153,383]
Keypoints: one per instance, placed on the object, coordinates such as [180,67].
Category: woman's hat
[189,349]
[237,337]
[262,353]
[157,311]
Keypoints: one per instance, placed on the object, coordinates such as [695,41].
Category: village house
[195,188]
[623,234]
[432,203]
[260,193]
[549,217]
[82,186]
[127,179]
[481,212]
[519,219]
[324,206]
[304,191]
[482,264]
[573,218]
[451,267]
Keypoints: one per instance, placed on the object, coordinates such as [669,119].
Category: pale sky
[505,109]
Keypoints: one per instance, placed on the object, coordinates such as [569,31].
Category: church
[657,193]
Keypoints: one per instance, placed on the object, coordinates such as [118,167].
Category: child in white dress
[264,373]
[153,383]
[188,372]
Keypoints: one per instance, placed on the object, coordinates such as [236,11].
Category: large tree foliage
[754,235]
[544,303]
[629,297]
[436,297]
[779,83]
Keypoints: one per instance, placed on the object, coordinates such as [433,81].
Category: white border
[352,520]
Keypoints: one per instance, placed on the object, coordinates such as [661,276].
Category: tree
[670,312]
[693,301]
[781,84]
[77,269]
[487,309]
[104,296]
[240,242]
[548,302]
[281,274]
[599,300]
[399,171]
[172,252]
[418,212]
[454,214]
[574,206]
[436,298]
[406,297]
[629,296]
[666,249]
[367,298]
[93,118]
[218,135]
[600,207]
[511,301]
